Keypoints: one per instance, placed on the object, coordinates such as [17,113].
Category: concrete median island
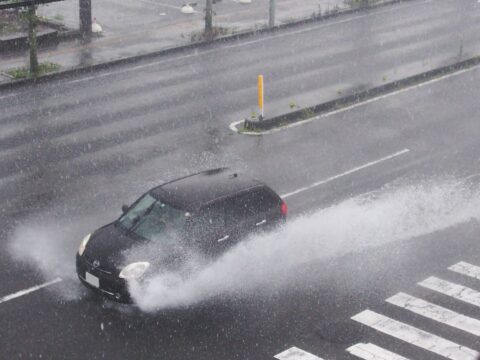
[256,126]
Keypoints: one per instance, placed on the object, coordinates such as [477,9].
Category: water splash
[267,261]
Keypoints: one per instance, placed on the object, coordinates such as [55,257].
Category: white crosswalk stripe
[437,313]
[414,336]
[453,290]
[295,353]
[373,352]
[466,269]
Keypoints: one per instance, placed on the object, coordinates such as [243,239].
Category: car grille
[98,268]
[110,284]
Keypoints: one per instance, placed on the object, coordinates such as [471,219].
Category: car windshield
[153,219]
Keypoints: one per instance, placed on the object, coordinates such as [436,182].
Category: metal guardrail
[9,4]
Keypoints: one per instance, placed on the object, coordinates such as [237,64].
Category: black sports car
[204,213]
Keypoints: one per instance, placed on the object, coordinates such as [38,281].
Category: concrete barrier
[18,42]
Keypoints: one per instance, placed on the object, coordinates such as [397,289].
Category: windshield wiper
[136,221]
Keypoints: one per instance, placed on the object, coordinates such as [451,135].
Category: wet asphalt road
[78,148]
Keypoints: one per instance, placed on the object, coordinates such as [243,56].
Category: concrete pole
[208,18]
[85,8]
[32,39]
[271,14]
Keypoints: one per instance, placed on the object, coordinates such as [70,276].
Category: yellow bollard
[260,94]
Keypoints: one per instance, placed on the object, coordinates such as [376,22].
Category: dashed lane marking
[414,336]
[8,96]
[364,166]
[28,291]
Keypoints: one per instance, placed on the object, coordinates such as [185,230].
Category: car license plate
[92,280]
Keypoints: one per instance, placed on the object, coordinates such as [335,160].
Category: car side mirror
[124,208]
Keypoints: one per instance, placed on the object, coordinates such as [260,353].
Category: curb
[182,48]
[20,42]
[252,126]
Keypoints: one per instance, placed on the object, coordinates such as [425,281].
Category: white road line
[456,291]
[28,291]
[233,126]
[373,352]
[414,336]
[437,313]
[322,182]
[98,76]
[9,96]
[169,6]
[246,43]
[466,269]
[295,353]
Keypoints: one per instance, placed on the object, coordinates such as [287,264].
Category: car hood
[113,249]
[107,244]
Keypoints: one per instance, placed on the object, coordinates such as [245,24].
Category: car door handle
[264,221]
[224,238]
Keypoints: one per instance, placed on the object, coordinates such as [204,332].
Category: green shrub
[24,72]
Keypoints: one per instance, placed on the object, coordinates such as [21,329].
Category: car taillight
[284,209]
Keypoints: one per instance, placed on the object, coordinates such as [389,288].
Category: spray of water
[353,225]
[263,261]
[50,246]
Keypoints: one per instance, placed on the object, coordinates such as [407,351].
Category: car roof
[192,192]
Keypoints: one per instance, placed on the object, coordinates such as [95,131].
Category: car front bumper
[109,284]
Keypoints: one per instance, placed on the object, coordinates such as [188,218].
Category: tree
[31,17]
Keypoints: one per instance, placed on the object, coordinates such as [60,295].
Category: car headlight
[83,244]
[134,270]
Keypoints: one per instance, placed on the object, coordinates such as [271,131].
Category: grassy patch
[307,113]
[24,72]
[197,36]
[58,18]
[242,130]
[8,28]
[293,105]
[357,3]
